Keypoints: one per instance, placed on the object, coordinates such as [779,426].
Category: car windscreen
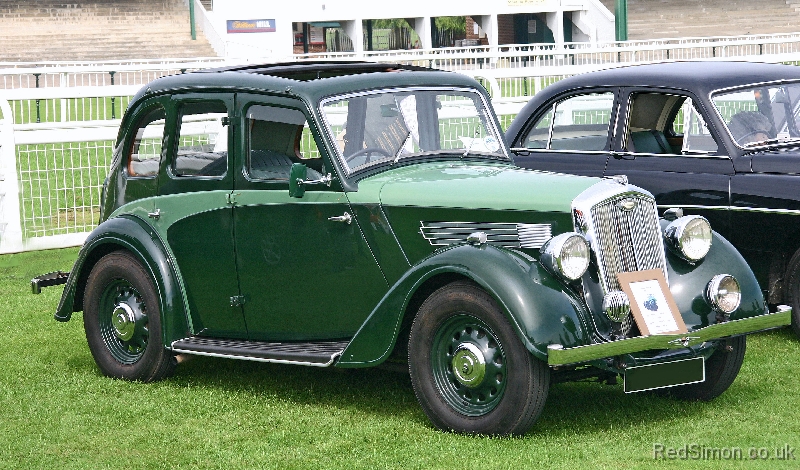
[380,127]
[761,115]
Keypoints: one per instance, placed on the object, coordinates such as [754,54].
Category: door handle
[346,218]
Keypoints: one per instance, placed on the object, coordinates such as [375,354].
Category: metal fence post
[10,226]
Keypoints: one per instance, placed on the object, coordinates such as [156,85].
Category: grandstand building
[247,28]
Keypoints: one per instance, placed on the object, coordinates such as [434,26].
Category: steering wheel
[367,151]
[745,139]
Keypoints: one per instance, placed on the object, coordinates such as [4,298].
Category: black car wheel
[469,370]
[792,284]
[122,320]
[721,370]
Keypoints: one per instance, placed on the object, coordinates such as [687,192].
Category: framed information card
[652,305]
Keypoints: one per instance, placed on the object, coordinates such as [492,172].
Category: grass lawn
[57,411]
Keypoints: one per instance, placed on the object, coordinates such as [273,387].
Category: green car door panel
[305,274]
[541,309]
[198,228]
[136,236]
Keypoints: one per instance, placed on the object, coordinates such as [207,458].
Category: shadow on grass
[572,408]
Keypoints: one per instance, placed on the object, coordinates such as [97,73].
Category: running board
[315,353]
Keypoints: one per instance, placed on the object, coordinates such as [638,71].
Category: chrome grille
[628,237]
[507,234]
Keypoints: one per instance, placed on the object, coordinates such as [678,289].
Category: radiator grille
[628,237]
[509,235]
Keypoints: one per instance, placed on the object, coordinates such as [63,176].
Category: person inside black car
[748,127]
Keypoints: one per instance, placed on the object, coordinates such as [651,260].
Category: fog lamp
[723,293]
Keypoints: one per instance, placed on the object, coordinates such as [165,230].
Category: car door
[570,135]
[305,270]
[193,209]
[665,147]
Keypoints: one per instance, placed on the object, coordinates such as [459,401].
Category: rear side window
[203,140]
[578,123]
[145,153]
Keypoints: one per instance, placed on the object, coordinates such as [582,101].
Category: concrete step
[97,30]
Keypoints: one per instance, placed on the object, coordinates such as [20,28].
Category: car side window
[202,149]
[577,123]
[666,124]
[145,151]
[276,139]
[649,128]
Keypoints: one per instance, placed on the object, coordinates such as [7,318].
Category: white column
[555,21]
[422,25]
[488,24]
[355,30]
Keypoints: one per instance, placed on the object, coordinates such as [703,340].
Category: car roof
[702,77]
[699,77]
[310,80]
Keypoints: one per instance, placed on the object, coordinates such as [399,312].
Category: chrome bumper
[558,355]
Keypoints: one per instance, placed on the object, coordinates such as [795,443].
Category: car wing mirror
[298,181]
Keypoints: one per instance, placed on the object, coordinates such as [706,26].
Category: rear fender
[134,235]
[540,308]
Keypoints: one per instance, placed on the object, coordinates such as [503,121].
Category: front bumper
[558,355]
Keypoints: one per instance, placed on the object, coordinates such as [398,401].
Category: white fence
[59,121]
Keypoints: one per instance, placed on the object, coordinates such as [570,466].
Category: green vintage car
[357,214]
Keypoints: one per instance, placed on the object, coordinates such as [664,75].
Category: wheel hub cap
[469,365]
[124,321]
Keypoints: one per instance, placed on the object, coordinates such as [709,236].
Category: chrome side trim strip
[735,208]
[257,359]
[556,355]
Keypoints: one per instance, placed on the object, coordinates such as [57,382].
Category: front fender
[688,282]
[132,234]
[541,309]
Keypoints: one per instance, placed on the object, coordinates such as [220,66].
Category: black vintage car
[716,139]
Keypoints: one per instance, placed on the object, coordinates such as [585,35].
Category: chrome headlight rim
[724,293]
[555,258]
[676,235]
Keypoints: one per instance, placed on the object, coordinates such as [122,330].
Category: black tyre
[469,370]
[721,370]
[122,319]
[792,285]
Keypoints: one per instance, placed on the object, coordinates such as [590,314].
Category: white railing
[56,140]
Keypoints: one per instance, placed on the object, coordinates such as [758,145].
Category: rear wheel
[721,370]
[470,371]
[122,320]
[793,287]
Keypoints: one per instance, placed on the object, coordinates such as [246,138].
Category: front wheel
[469,370]
[721,370]
[122,320]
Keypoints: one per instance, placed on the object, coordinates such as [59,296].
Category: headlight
[566,255]
[689,237]
[723,293]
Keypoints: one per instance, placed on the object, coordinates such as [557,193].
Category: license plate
[667,374]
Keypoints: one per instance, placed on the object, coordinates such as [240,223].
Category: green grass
[57,411]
